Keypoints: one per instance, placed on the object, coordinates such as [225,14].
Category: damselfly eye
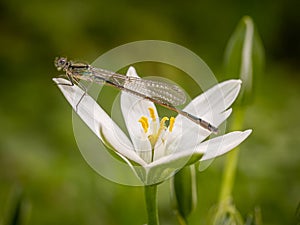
[60,63]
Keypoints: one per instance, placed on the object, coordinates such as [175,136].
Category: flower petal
[215,100]
[210,106]
[97,119]
[165,167]
[133,108]
[222,144]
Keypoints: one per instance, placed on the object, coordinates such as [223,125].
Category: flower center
[152,129]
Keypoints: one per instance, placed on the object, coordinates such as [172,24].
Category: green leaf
[244,58]
[184,194]
[18,210]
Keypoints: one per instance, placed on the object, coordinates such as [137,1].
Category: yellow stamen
[162,125]
[162,122]
[152,113]
[154,129]
[144,122]
[171,124]
[153,138]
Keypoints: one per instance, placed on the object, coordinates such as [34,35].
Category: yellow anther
[162,125]
[152,113]
[155,129]
[144,122]
[171,124]
[163,121]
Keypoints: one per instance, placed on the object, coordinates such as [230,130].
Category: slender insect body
[165,94]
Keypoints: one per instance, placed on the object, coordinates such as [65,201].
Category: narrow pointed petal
[222,144]
[131,72]
[210,106]
[133,108]
[165,167]
[215,100]
[98,120]
[193,132]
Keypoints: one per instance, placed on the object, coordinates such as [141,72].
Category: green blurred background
[38,153]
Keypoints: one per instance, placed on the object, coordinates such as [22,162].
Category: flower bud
[244,58]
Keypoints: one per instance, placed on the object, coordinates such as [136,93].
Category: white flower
[155,150]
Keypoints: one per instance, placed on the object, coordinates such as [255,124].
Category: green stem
[231,162]
[151,204]
[181,220]
[229,175]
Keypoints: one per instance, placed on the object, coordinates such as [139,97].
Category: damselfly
[165,94]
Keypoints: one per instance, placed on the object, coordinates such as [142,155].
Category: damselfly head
[61,63]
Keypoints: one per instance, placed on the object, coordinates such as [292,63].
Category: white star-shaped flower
[157,148]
